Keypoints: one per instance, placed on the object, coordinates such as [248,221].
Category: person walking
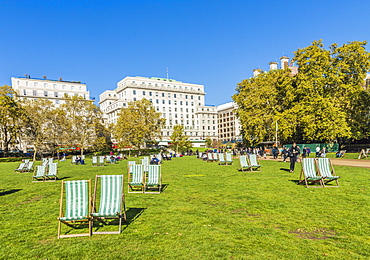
[293,153]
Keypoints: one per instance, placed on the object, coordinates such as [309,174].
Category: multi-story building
[179,103]
[228,124]
[53,90]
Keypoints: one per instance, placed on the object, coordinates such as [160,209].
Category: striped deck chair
[222,160]
[145,163]
[215,157]
[29,167]
[101,161]
[94,161]
[229,159]
[44,162]
[209,157]
[129,166]
[136,179]
[326,171]
[244,163]
[154,179]
[74,158]
[111,201]
[308,173]
[21,167]
[77,208]
[39,174]
[50,160]
[253,162]
[51,175]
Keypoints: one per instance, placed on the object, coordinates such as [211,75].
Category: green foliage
[180,141]
[325,101]
[137,123]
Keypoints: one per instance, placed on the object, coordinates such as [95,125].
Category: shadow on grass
[285,169]
[164,187]
[132,214]
[63,178]
[7,192]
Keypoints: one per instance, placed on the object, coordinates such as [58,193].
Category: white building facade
[179,103]
[229,128]
[53,90]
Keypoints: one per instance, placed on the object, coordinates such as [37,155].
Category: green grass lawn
[206,211]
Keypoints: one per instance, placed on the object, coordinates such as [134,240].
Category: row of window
[150,94]
[162,85]
[46,93]
[54,86]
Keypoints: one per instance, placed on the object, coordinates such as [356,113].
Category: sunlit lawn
[206,211]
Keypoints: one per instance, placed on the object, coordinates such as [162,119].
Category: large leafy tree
[10,118]
[325,101]
[137,124]
[179,140]
[83,119]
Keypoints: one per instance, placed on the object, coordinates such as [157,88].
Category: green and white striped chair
[111,201]
[145,163]
[229,159]
[129,166]
[77,206]
[326,171]
[221,159]
[244,163]
[74,158]
[39,174]
[154,179]
[94,161]
[136,179]
[29,167]
[308,173]
[101,161]
[209,157]
[253,162]
[21,167]
[52,172]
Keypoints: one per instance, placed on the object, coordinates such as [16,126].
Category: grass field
[206,211]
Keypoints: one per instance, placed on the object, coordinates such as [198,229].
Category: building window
[180,102]
[56,101]
[45,93]
[55,94]
[162,94]
[24,92]
[163,101]
[72,87]
[150,93]
[174,95]
[143,93]
[54,86]
[134,92]
[35,84]
[169,102]
[134,98]
[157,101]
[63,86]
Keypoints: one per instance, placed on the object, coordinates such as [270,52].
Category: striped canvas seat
[94,161]
[29,167]
[253,162]
[244,163]
[40,173]
[20,168]
[326,171]
[52,172]
[309,173]
[154,178]
[111,200]
[229,159]
[136,179]
[222,159]
[77,208]
[101,161]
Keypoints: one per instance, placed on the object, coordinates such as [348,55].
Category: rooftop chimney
[284,62]
[273,65]
[256,72]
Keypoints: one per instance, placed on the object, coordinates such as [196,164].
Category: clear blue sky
[214,43]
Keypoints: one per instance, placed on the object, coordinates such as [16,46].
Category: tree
[325,101]
[208,142]
[137,124]
[10,118]
[83,118]
[179,140]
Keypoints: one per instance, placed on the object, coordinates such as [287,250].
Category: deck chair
[154,179]
[215,157]
[111,201]
[145,163]
[94,161]
[21,167]
[44,162]
[222,160]
[51,175]
[39,174]
[229,159]
[129,166]
[209,157]
[77,208]
[308,173]
[29,167]
[326,171]
[101,161]
[244,163]
[74,158]
[253,162]
[136,179]
[50,160]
